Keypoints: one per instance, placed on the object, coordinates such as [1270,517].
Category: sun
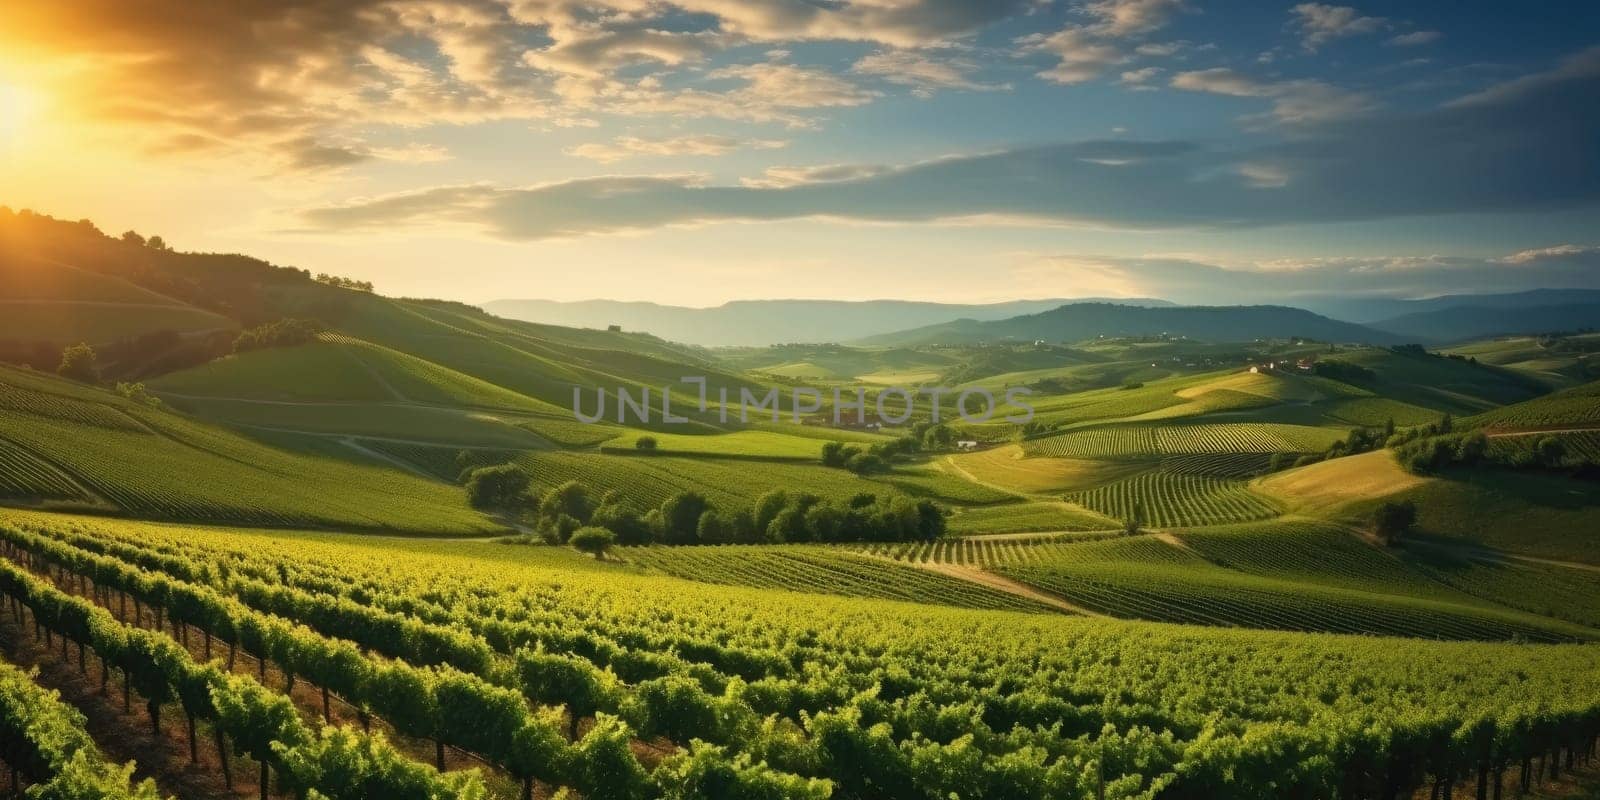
[18,106]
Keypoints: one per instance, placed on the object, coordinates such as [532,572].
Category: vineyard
[1147,578]
[1149,441]
[1168,499]
[1575,407]
[821,570]
[558,672]
[25,476]
[158,464]
[1221,465]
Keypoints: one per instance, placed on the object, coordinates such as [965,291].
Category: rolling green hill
[1077,322]
[87,447]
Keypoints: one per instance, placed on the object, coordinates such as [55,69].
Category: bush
[79,363]
[502,486]
[645,444]
[282,333]
[593,540]
[1393,520]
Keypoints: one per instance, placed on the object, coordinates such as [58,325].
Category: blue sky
[706,150]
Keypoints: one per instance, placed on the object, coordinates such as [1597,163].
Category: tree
[1446,423]
[157,243]
[501,486]
[1551,451]
[622,519]
[570,499]
[593,540]
[680,517]
[714,528]
[645,444]
[1393,520]
[79,363]
[133,238]
[866,464]
[833,454]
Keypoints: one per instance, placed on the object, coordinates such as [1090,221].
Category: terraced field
[1163,499]
[820,570]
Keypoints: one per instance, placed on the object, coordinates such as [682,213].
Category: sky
[700,151]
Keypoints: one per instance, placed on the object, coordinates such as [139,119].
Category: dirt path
[1004,584]
[949,462]
[400,464]
[1178,543]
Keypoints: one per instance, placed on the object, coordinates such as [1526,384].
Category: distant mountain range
[1461,323]
[764,322]
[1080,321]
[1379,310]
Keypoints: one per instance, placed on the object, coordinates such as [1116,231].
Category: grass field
[730,484]
[1024,517]
[1324,488]
[750,444]
[1009,467]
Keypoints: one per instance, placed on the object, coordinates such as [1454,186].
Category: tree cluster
[285,332]
[343,283]
[559,513]
[1532,452]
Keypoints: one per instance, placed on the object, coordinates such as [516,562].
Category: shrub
[1393,520]
[645,444]
[593,540]
[502,486]
[79,363]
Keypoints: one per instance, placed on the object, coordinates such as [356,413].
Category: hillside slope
[765,322]
[66,444]
[1078,322]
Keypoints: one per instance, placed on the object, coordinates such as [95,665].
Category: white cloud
[1081,55]
[1293,102]
[1416,38]
[780,177]
[1139,79]
[925,74]
[1129,17]
[1557,252]
[625,147]
[1320,23]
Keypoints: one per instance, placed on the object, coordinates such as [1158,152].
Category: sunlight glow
[18,107]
